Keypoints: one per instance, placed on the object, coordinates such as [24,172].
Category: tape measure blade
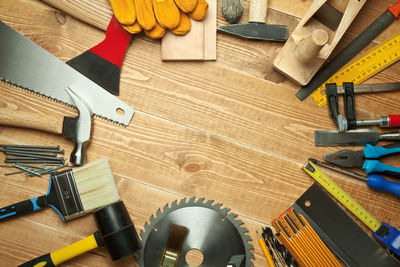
[337,192]
[339,232]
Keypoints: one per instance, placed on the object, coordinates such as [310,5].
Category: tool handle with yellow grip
[57,257]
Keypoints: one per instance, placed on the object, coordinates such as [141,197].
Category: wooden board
[230,130]
[198,44]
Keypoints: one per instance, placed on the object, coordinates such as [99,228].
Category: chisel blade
[257,31]
[352,137]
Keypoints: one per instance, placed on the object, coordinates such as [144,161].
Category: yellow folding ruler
[383,232]
[364,67]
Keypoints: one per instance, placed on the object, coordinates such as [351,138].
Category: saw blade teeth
[174,204]
[191,201]
[153,219]
[166,207]
[201,200]
[182,202]
[209,203]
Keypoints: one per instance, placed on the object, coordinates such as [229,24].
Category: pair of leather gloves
[154,17]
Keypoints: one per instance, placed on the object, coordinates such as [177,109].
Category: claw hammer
[77,128]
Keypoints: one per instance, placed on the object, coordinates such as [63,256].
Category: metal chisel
[352,137]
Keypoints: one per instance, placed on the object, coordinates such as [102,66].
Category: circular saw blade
[212,230]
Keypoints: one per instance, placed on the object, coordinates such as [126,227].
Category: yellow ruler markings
[337,192]
[364,67]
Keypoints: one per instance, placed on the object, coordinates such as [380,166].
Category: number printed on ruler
[337,192]
[364,67]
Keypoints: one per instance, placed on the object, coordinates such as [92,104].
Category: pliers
[367,159]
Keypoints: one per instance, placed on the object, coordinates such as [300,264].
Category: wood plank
[200,43]
[207,129]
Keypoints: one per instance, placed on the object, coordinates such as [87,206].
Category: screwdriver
[374,181]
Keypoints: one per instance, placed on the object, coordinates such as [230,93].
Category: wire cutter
[367,159]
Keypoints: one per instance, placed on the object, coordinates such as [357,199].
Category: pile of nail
[33,160]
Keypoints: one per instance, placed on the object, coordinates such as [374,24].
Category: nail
[28,146]
[32,155]
[28,150]
[25,169]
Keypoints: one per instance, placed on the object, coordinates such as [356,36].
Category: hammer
[77,129]
[116,231]
[256,29]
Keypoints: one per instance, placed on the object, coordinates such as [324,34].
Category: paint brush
[72,193]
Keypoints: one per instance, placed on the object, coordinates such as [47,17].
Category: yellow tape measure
[342,196]
[362,68]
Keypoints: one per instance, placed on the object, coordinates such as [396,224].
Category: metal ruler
[362,68]
[342,196]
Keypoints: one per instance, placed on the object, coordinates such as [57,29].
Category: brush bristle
[96,184]
[232,10]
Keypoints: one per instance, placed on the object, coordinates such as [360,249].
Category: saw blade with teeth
[213,230]
[26,65]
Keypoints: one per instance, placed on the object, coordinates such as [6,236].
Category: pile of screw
[33,160]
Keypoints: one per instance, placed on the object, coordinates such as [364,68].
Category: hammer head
[117,230]
[257,31]
[79,128]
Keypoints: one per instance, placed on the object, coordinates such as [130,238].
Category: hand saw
[27,65]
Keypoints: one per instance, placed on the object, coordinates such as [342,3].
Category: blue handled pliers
[367,159]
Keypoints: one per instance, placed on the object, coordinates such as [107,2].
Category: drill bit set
[32,160]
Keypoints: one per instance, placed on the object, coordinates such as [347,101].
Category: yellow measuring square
[364,67]
[337,192]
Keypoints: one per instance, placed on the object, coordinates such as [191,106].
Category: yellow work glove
[155,16]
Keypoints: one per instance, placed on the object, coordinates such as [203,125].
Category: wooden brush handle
[44,122]
[97,13]
[258,11]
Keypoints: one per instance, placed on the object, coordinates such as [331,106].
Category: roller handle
[377,182]
[258,11]
[23,207]
[57,257]
[44,122]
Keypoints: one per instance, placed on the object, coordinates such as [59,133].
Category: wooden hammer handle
[258,11]
[94,12]
[43,122]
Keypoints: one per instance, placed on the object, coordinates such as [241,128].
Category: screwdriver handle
[377,182]
[394,121]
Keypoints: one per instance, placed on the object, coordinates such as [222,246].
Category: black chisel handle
[22,207]
[350,51]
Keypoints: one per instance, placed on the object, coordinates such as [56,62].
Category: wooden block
[200,43]
[299,70]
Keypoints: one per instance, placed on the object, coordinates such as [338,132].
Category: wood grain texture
[200,43]
[230,130]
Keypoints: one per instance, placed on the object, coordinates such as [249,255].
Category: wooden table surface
[231,131]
